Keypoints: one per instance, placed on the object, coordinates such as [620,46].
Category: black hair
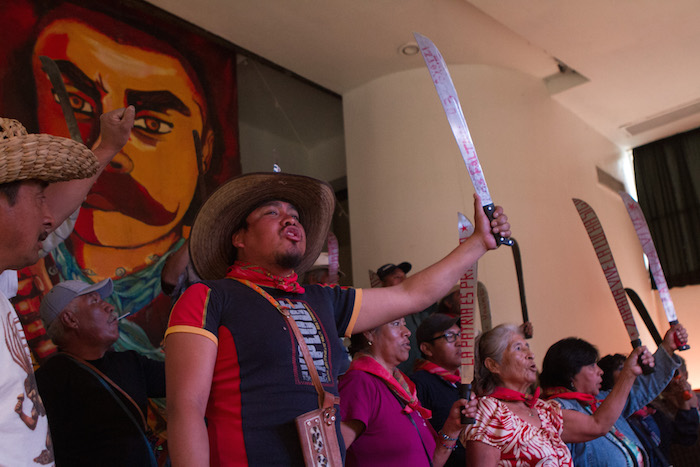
[564,360]
[10,191]
[358,343]
[609,364]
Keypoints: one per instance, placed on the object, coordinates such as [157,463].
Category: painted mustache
[120,192]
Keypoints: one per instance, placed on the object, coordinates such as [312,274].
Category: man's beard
[289,260]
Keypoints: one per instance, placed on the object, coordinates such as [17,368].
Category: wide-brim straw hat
[41,157]
[211,247]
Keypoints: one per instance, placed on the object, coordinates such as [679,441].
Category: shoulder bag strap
[324,399]
[93,369]
[403,404]
[108,384]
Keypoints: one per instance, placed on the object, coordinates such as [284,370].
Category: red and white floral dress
[520,443]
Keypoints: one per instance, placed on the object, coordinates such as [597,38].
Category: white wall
[407,181]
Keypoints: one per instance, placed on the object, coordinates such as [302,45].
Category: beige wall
[407,181]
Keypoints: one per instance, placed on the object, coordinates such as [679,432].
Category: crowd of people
[249,348]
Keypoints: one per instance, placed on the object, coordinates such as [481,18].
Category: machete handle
[646,369]
[464,393]
[680,345]
[500,240]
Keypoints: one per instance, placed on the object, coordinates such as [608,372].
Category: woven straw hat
[211,247]
[40,156]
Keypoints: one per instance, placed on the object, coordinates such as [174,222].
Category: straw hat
[40,156]
[211,247]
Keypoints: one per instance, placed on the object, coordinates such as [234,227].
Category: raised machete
[607,262]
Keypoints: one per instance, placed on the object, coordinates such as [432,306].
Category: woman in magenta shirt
[383,422]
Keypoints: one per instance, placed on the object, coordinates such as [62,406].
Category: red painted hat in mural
[225,211]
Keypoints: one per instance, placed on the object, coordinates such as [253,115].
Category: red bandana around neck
[560,392]
[510,395]
[398,383]
[262,277]
[432,368]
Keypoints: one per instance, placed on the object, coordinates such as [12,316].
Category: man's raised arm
[115,128]
[418,291]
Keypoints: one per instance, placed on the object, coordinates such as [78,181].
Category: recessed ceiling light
[409,49]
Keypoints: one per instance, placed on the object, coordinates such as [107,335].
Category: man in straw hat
[230,356]
[31,206]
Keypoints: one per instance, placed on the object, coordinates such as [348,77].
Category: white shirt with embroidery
[24,429]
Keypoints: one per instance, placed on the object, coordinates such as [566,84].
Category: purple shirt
[390,439]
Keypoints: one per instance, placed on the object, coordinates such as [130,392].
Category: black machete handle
[465,391]
[500,240]
[646,369]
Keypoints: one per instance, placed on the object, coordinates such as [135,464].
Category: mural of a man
[137,212]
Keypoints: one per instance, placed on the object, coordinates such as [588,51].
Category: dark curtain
[667,174]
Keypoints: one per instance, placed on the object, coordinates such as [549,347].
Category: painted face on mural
[146,190]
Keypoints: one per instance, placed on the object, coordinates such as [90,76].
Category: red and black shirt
[261,382]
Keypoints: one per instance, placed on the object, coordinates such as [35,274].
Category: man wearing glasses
[436,375]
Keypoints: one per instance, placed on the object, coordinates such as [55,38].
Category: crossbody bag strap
[324,399]
[403,404]
[110,385]
[114,385]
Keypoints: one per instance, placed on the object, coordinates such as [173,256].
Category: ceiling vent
[662,119]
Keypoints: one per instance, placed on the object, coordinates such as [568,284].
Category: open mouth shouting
[293,233]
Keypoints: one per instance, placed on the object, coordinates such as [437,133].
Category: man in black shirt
[95,398]
[437,374]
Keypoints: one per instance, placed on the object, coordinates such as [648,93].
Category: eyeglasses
[449,337]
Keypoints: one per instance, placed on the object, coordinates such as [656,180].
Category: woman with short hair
[571,376]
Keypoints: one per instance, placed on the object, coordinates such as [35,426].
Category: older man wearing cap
[436,375]
[30,209]
[95,398]
[231,358]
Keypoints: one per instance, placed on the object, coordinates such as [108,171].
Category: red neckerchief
[259,275]
[430,367]
[398,383]
[645,411]
[563,393]
[588,400]
[510,395]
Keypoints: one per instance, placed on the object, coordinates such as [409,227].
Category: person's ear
[207,151]
[204,148]
[369,335]
[492,365]
[68,319]
[426,348]
[237,239]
